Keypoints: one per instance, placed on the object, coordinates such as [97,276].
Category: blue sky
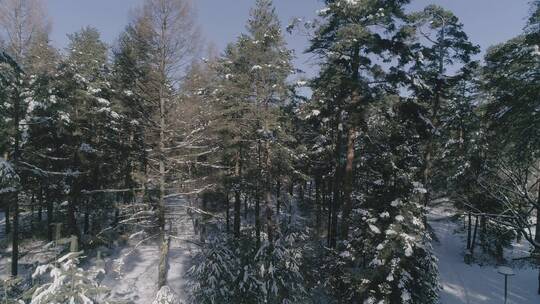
[486,21]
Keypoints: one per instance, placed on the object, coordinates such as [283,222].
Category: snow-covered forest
[404,169]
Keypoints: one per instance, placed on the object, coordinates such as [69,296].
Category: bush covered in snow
[68,283]
[232,270]
[166,296]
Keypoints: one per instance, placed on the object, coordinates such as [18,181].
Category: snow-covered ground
[132,272]
[474,284]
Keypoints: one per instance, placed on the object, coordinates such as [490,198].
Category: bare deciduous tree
[173,41]
[21,21]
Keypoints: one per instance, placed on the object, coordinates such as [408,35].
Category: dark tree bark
[246,201]
[15,240]
[269,212]
[291,189]
[336,200]
[40,202]
[258,220]
[537,235]
[49,202]
[278,201]
[163,261]
[237,201]
[228,213]
[318,205]
[16,155]
[86,224]
[8,220]
[32,209]
[473,242]
[469,231]
[348,183]
[539,280]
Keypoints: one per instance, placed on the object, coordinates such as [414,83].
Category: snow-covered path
[474,284]
[138,267]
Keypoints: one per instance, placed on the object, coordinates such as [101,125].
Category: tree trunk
[336,203]
[32,209]
[15,237]
[278,201]
[318,204]
[291,190]
[237,213]
[86,224]
[72,220]
[268,198]
[473,242]
[163,261]
[50,210]
[348,183]
[16,154]
[469,231]
[539,280]
[427,176]
[537,235]
[204,219]
[7,215]
[74,199]
[258,220]
[330,211]
[40,207]
[228,213]
[246,201]
[237,202]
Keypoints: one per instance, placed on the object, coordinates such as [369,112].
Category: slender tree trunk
[15,237]
[40,202]
[291,190]
[162,270]
[268,198]
[537,230]
[330,212]
[427,178]
[318,204]
[473,242]
[204,220]
[336,201]
[278,201]
[258,220]
[71,209]
[237,202]
[246,201]
[74,199]
[86,224]
[72,220]
[8,220]
[16,155]
[539,280]
[50,210]
[258,198]
[228,213]
[469,231]
[163,261]
[32,209]
[303,192]
[348,183]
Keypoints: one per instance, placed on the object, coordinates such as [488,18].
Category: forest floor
[131,269]
[475,283]
[131,272]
